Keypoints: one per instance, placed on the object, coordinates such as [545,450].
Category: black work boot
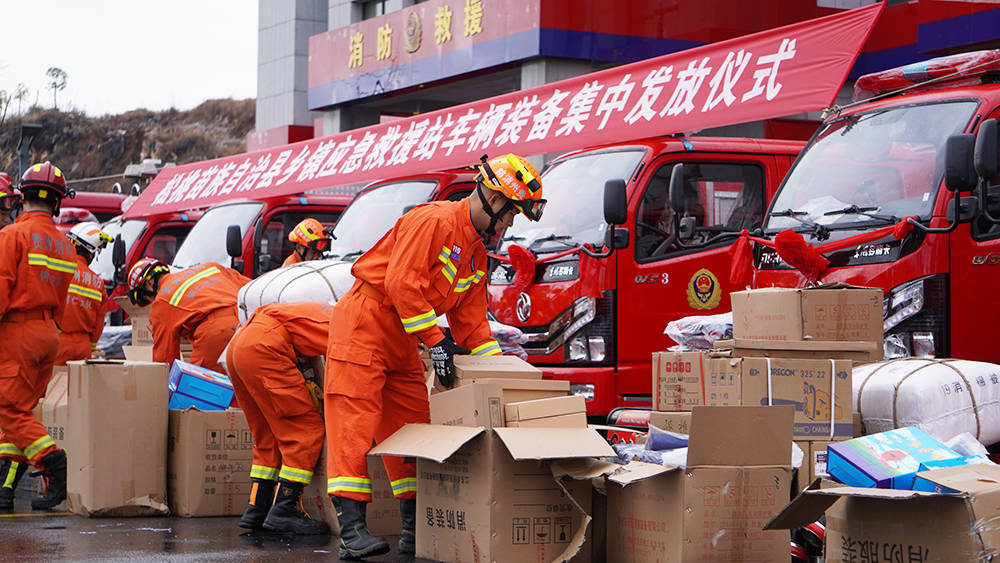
[355,541]
[10,473]
[287,515]
[261,499]
[408,536]
[54,471]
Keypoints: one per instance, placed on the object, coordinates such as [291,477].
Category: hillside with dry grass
[92,147]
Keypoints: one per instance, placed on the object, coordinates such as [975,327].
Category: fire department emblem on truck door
[523,308]
[703,291]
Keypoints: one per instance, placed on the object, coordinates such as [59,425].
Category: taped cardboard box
[830,312]
[482,403]
[820,391]
[209,457]
[491,495]
[469,369]
[677,380]
[52,410]
[737,476]
[116,438]
[142,329]
[564,412]
[679,422]
[865,524]
[860,351]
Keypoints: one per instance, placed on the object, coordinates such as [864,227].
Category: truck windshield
[372,214]
[103,264]
[869,169]
[207,240]
[574,213]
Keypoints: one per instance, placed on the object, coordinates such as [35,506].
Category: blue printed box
[921,484]
[194,386]
[887,460]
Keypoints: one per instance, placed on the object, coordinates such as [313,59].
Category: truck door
[666,278]
[271,235]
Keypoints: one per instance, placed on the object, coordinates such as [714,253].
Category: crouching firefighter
[431,262]
[287,427]
[36,267]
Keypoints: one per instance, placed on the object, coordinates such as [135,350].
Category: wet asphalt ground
[57,535]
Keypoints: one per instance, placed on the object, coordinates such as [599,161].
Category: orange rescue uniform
[286,426]
[432,262]
[83,321]
[36,267]
[293,258]
[198,304]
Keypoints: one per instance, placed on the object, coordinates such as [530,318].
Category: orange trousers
[211,338]
[286,426]
[26,358]
[73,346]
[374,385]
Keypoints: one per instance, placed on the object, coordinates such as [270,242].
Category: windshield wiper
[511,237]
[561,239]
[354,254]
[865,211]
[819,232]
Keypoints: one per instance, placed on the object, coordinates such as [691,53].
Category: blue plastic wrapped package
[629,452]
[660,440]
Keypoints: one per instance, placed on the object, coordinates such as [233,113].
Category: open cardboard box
[865,524]
[482,402]
[829,312]
[493,495]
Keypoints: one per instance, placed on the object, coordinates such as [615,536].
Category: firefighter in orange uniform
[198,303]
[311,238]
[286,426]
[86,300]
[431,262]
[8,198]
[36,267]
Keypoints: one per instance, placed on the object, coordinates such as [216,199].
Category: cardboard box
[677,380]
[860,351]
[490,495]
[679,422]
[566,412]
[859,427]
[471,368]
[820,391]
[382,513]
[194,386]
[890,525]
[482,403]
[142,329]
[814,461]
[116,436]
[53,412]
[738,474]
[209,459]
[833,312]
[887,460]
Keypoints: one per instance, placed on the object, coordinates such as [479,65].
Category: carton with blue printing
[194,386]
[922,483]
[887,460]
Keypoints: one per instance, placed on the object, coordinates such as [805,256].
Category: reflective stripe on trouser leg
[295,475]
[360,485]
[404,485]
[261,472]
[40,446]
[8,449]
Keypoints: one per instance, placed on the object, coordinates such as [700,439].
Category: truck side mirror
[677,187]
[615,202]
[685,228]
[959,173]
[118,259]
[234,241]
[985,156]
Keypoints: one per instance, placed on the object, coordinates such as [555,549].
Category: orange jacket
[37,263]
[307,323]
[187,298]
[433,262]
[293,258]
[86,303]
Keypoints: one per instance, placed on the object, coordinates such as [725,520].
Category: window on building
[372,8]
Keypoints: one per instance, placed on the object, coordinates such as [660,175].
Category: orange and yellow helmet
[311,233]
[517,179]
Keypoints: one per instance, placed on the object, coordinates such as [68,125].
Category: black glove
[443,357]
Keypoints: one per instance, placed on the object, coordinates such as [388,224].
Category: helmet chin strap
[494,216]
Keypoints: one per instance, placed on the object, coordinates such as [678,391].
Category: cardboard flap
[553,443]
[127,306]
[971,479]
[427,441]
[582,469]
[637,471]
[804,509]
[741,436]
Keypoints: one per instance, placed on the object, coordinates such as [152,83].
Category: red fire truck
[906,152]
[594,318]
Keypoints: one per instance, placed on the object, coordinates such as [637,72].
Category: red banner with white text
[788,70]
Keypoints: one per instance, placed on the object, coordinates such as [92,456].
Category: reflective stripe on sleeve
[491,348]
[419,322]
[465,283]
[9,449]
[84,291]
[38,446]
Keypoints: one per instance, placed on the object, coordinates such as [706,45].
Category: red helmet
[144,269]
[44,177]
[8,195]
[311,233]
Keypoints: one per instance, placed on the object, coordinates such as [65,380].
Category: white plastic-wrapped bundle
[941,397]
[318,280]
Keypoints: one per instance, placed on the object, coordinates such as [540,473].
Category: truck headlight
[916,319]
[585,390]
[902,303]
